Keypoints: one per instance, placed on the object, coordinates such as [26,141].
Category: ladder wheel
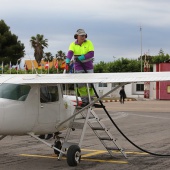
[57,144]
[73,155]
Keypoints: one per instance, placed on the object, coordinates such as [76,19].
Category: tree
[60,55]
[38,43]
[100,67]
[48,57]
[161,52]
[11,49]
[160,58]
[120,65]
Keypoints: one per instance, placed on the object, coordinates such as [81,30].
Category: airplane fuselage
[36,108]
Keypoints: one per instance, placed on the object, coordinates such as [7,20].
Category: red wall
[161,87]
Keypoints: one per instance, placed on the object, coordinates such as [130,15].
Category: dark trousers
[122,99]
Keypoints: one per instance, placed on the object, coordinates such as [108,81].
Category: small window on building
[49,94]
[168,89]
[139,87]
[102,84]
[113,85]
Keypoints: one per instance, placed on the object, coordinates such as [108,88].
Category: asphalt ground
[146,123]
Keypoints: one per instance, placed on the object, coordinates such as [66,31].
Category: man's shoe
[49,136]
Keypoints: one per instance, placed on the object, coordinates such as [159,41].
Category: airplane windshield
[14,91]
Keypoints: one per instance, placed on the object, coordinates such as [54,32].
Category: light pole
[114,58]
[141,45]
[17,64]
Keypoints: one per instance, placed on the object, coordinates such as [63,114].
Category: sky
[112,25]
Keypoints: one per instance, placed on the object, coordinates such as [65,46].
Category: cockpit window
[49,94]
[14,91]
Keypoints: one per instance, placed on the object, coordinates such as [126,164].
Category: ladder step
[79,118]
[98,128]
[105,138]
[92,120]
[113,148]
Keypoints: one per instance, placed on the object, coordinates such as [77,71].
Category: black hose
[101,103]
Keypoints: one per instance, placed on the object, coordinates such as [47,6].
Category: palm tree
[48,57]
[60,55]
[38,43]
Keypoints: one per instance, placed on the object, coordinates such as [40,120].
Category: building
[155,90]
[161,90]
[31,64]
[133,90]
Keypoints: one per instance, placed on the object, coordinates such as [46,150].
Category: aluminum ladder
[89,117]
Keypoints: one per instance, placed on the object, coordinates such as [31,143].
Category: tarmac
[145,123]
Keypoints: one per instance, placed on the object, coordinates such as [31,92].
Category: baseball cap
[80,32]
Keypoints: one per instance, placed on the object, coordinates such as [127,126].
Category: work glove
[82,57]
[67,61]
[67,64]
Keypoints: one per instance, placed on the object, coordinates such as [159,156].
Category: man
[83,52]
[122,95]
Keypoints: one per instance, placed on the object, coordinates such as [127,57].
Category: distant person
[122,95]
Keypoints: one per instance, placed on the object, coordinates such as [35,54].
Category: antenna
[141,45]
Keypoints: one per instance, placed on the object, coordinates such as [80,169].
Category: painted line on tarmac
[85,159]
[117,152]
[108,161]
[94,152]
[137,153]
[38,156]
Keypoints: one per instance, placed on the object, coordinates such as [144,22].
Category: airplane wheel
[57,144]
[73,155]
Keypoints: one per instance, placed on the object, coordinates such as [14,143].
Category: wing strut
[46,143]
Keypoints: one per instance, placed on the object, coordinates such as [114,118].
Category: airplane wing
[85,78]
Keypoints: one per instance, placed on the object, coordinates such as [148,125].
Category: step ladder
[89,117]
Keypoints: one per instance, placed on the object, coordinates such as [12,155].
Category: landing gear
[57,145]
[73,155]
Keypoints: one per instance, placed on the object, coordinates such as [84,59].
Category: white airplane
[32,104]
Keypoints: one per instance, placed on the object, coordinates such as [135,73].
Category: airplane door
[49,104]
